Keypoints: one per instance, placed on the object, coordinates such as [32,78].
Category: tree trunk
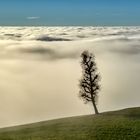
[95,107]
[92,98]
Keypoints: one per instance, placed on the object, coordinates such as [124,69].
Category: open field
[116,125]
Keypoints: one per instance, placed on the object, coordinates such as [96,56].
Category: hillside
[115,125]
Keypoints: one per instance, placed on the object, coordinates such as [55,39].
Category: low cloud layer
[40,68]
[48,38]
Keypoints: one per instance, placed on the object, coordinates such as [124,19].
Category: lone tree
[89,83]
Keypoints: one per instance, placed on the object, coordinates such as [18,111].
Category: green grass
[115,125]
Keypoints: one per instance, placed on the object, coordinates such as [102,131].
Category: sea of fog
[40,71]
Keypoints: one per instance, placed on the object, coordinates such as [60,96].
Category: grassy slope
[116,125]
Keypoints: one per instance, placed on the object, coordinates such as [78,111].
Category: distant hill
[116,125]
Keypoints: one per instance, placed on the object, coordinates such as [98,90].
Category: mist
[40,71]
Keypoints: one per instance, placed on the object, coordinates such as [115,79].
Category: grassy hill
[115,125]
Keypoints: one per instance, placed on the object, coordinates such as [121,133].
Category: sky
[70,12]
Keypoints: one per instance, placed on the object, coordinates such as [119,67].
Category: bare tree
[89,83]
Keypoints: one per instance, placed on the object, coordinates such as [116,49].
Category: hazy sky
[70,12]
